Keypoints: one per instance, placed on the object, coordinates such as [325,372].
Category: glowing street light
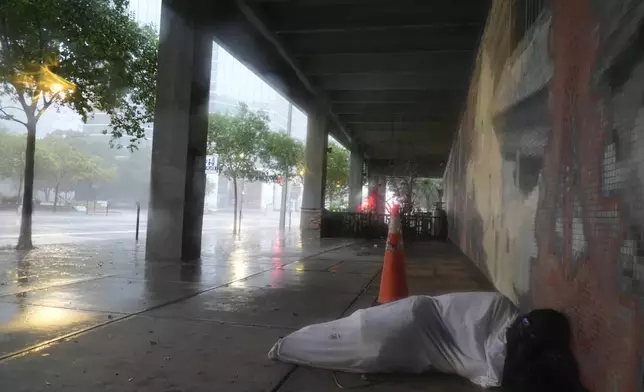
[56,88]
[54,83]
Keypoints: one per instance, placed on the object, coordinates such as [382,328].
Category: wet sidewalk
[104,320]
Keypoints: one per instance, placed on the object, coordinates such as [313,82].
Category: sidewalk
[83,321]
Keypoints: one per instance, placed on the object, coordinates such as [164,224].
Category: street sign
[211,162]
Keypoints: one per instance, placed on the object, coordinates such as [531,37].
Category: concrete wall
[544,182]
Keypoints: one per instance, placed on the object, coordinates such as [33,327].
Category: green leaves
[337,172]
[246,149]
[283,156]
[61,163]
[12,155]
[59,160]
[95,45]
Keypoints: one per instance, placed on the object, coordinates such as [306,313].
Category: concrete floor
[101,319]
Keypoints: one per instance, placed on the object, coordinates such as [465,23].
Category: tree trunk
[56,190]
[24,240]
[241,205]
[47,192]
[235,205]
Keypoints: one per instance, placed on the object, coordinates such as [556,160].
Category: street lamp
[53,83]
[56,88]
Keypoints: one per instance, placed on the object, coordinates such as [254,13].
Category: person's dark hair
[538,354]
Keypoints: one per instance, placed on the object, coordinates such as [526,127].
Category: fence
[358,225]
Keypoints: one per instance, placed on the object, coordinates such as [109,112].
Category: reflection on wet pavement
[23,325]
[111,294]
[59,289]
[84,319]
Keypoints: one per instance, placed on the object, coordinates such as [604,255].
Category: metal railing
[370,226]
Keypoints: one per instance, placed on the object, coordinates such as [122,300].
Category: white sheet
[459,333]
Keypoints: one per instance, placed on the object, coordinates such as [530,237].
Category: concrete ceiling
[393,74]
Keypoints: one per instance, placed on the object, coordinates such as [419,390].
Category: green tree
[12,158]
[282,155]
[238,141]
[87,55]
[130,180]
[337,176]
[64,167]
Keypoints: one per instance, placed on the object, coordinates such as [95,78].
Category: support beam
[360,127]
[292,17]
[251,41]
[428,109]
[396,96]
[385,81]
[459,61]
[443,39]
[356,165]
[390,117]
[315,171]
[178,177]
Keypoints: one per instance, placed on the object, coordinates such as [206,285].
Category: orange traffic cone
[393,284]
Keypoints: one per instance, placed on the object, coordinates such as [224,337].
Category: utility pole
[285,204]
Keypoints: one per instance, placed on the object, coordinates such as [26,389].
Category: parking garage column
[178,177]
[355,180]
[315,170]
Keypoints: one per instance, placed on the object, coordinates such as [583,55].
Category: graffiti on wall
[545,184]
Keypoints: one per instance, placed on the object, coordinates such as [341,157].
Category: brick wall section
[544,185]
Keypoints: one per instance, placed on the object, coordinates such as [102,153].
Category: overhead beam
[432,135]
[402,166]
[297,17]
[267,39]
[398,108]
[396,96]
[231,29]
[394,118]
[420,126]
[399,41]
[388,148]
[355,63]
[374,82]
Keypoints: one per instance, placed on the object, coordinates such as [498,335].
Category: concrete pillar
[355,181]
[315,171]
[178,176]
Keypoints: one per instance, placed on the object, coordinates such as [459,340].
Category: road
[60,228]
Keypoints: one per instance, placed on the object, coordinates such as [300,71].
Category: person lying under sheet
[467,334]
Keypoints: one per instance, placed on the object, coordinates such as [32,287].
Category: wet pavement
[76,227]
[102,319]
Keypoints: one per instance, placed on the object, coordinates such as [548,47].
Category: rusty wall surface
[545,181]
